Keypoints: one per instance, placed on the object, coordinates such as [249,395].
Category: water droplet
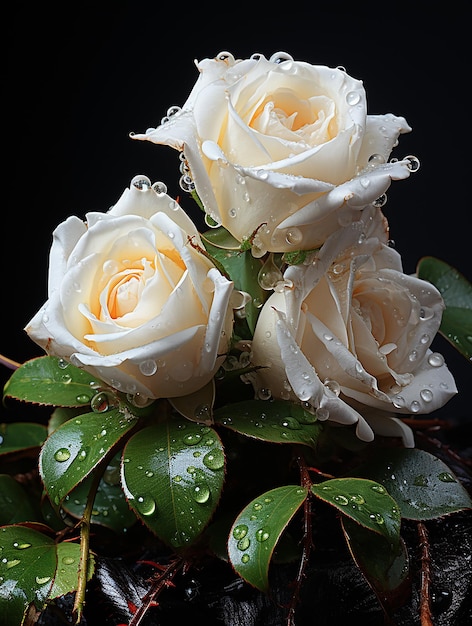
[378,489]
[68,560]
[322,413]
[61,455]
[203,413]
[446,477]
[357,499]
[240,531]
[201,493]
[214,459]
[426,395]
[244,543]
[245,558]
[83,398]
[435,359]
[333,385]
[377,518]
[291,423]
[420,480]
[262,535]
[148,367]
[413,163]
[99,403]
[353,98]
[41,580]
[145,505]
[293,236]
[192,439]
[12,563]
[269,274]
[21,546]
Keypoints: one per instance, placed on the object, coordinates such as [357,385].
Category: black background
[80,78]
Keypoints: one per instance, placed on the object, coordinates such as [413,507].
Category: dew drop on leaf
[61,455]
[214,459]
[446,477]
[145,505]
[262,535]
[240,531]
[201,493]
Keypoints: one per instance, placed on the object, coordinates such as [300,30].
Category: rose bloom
[281,152]
[133,300]
[350,334]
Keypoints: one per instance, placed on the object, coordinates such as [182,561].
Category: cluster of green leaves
[104,461]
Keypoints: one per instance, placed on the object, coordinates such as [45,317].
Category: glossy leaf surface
[33,569]
[257,529]
[172,476]
[385,565]
[49,380]
[456,290]
[422,485]
[73,450]
[110,507]
[21,436]
[277,421]
[365,501]
[15,505]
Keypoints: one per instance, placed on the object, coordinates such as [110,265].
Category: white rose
[352,330]
[132,299]
[282,149]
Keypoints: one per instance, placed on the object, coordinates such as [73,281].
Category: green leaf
[384,565]
[21,436]
[27,569]
[423,486]
[110,508]
[456,290]
[51,381]
[67,572]
[172,476]
[34,569]
[15,504]
[74,449]
[243,269]
[278,421]
[366,502]
[257,529]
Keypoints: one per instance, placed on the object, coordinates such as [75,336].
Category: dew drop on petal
[148,367]
[435,359]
